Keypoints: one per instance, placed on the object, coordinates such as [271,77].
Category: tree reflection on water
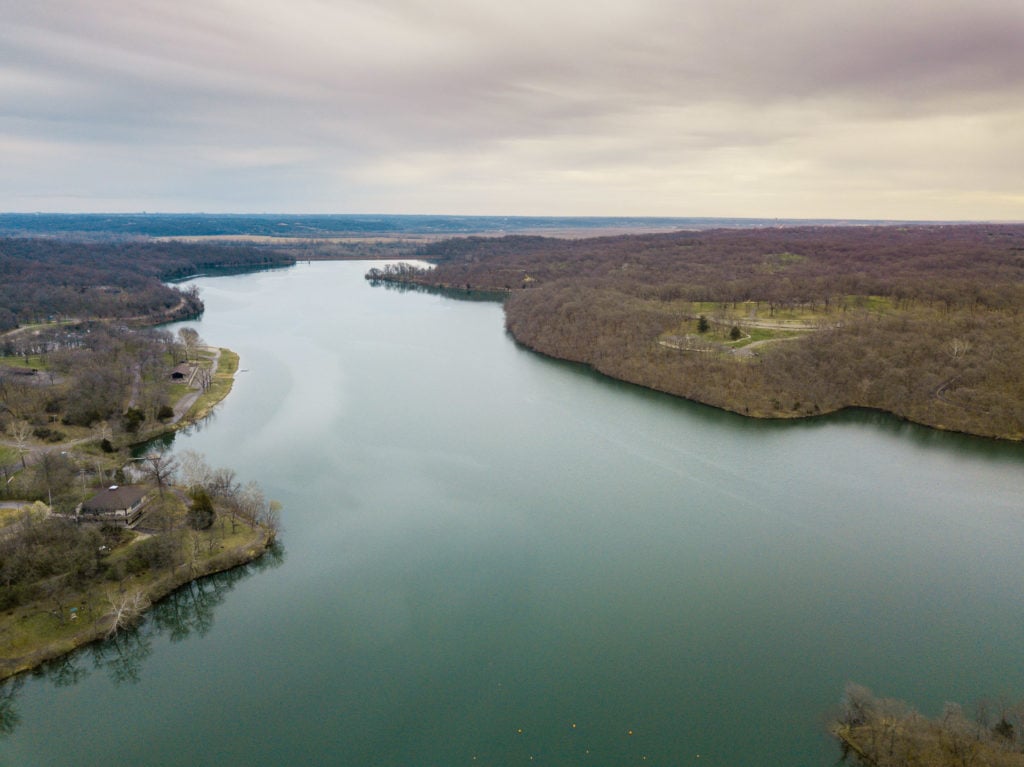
[185,612]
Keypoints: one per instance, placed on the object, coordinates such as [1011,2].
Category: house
[117,504]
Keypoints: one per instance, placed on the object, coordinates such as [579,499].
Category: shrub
[132,419]
[201,515]
[48,434]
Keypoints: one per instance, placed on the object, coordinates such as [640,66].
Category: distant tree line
[946,266]
[50,279]
[942,347]
[293,226]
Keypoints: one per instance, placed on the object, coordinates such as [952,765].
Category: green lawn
[32,362]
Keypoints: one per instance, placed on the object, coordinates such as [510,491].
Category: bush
[115,571]
[200,519]
[132,419]
[165,412]
[14,596]
[152,553]
[48,434]
[201,515]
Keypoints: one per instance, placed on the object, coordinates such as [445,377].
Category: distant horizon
[517,216]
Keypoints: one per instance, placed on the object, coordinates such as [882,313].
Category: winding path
[183,405]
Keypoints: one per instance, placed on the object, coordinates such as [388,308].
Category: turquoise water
[491,558]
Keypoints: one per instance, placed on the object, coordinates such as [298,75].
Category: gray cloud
[707,107]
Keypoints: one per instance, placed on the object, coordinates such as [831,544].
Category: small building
[116,505]
[181,372]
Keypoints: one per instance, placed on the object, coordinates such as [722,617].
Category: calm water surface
[491,558]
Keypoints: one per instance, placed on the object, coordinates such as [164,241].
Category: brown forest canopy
[42,278]
[921,321]
[953,262]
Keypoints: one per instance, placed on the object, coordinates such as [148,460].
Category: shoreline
[759,416]
[254,547]
[498,293]
[99,630]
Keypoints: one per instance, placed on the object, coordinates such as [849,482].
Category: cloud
[562,106]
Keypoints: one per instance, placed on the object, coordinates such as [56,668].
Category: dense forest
[921,321]
[43,279]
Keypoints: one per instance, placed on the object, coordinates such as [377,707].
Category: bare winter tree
[223,485]
[190,340]
[21,431]
[204,377]
[195,471]
[126,608]
[103,431]
[161,468]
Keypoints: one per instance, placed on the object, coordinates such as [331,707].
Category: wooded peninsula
[921,321]
[90,533]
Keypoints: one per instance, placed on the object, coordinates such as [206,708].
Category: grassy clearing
[32,362]
[221,385]
[9,516]
[754,335]
[763,311]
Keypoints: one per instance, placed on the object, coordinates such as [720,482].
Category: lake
[492,558]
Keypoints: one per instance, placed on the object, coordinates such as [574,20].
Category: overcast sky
[788,108]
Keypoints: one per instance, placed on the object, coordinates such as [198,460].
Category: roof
[115,498]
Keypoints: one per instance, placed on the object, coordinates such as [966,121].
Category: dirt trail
[183,405]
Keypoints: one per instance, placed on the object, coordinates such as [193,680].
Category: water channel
[492,558]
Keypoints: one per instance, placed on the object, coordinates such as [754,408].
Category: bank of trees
[882,732]
[811,267]
[45,558]
[957,370]
[220,486]
[52,559]
[98,376]
[924,322]
[46,279]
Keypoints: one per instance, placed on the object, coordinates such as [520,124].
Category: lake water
[491,558]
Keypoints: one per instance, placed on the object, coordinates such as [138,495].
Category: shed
[181,372]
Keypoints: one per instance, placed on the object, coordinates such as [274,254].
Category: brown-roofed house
[117,504]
